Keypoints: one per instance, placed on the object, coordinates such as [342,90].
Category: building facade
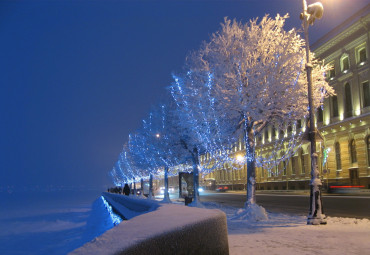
[343,121]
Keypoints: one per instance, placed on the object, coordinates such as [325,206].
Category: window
[299,124]
[368,149]
[266,135]
[320,116]
[303,165]
[352,149]
[366,93]
[334,104]
[344,63]
[337,156]
[281,133]
[269,170]
[283,164]
[294,164]
[361,55]
[289,129]
[348,100]
[331,72]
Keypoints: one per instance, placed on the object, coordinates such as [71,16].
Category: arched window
[352,149]
[303,163]
[344,63]
[348,100]
[368,149]
[337,156]
[361,55]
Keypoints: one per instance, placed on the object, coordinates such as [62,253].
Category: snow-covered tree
[259,78]
[195,124]
[156,132]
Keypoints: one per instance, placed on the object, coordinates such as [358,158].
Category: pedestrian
[126,190]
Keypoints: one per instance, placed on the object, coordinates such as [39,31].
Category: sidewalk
[290,235]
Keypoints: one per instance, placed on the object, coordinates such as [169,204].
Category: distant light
[362,63]
[157,135]
[240,158]
[200,189]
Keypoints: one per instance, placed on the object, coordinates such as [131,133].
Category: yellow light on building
[240,158]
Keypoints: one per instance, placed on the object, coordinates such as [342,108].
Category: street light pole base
[316,215]
[316,221]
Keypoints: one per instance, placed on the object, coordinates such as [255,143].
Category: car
[341,188]
[222,189]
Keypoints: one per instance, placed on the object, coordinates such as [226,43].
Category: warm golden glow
[239,158]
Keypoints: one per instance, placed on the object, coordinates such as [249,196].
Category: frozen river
[54,222]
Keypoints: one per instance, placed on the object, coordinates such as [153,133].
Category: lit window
[344,63]
[361,55]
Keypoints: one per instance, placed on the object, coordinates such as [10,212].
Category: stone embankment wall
[165,229]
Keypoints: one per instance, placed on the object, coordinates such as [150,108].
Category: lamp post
[316,214]
[166,195]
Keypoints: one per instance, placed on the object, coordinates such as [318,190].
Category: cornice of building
[353,24]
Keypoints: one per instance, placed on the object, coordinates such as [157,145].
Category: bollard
[188,200]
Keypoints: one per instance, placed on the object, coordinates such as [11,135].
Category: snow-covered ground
[287,234]
[56,227]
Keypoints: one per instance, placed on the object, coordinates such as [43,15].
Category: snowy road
[335,206]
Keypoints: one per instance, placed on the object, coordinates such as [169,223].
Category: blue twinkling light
[115,218]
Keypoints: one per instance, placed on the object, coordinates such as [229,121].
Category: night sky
[76,77]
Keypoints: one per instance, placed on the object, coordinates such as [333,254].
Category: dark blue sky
[77,77]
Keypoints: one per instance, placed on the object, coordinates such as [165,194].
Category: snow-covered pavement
[287,234]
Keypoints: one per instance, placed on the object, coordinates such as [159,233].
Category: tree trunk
[166,196]
[142,186]
[251,165]
[195,159]
[134,188]
[150,196]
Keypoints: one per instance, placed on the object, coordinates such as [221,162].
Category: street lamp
[316,214]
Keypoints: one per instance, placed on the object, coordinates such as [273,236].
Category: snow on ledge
[169,229]
[130,206]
